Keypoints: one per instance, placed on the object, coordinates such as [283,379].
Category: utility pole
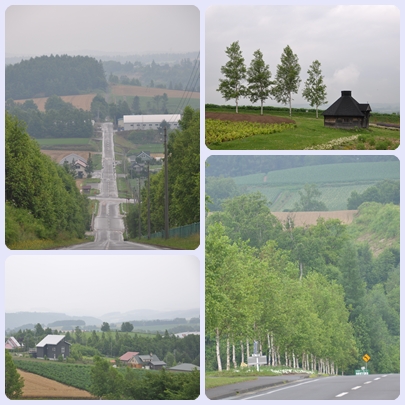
[166,188]
[139,197]
[148,203]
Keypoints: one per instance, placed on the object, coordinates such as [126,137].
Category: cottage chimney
[346,93]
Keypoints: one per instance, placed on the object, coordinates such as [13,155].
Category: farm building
[12,344]
[52,346]
[184,368]
[129,358]
[147,361]
[346,112]
[153,121]
[78,162]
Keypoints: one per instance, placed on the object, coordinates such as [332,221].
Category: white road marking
[281,389]
[341,395]
[356,388]
[376,378]
[368,382]
[385,375]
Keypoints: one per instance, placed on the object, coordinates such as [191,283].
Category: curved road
[109,224]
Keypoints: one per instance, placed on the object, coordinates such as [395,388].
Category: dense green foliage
[76,375]
[48,75]
[14,382]
[60,119]
[383,192]
[42,200]
[183,182]
[313,297]
[110,383]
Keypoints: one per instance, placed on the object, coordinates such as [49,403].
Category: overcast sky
[357,46]
[91,285]
[42,30]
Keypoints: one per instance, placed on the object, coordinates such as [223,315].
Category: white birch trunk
[234,356]
[218,352]
[247,348]
[242,352]
[228,359]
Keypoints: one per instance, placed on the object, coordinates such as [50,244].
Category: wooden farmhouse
[12,343]
[346,113]
[52,346]
[147,361]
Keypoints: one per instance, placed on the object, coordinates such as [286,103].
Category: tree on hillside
[287,79]
[127,327]
[90,166]
[136,106]
[105,327]
[315,91]
[258,78]
[235,73]
[309,200]
[14,382]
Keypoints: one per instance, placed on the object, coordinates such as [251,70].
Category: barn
[152,121]
[52,346]
[346,113]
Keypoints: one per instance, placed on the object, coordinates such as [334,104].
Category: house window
[53,349]
[63,349]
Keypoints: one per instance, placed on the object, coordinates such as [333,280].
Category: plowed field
[233,117]
[36,386]
[310,218]
[82,101]
[139,91]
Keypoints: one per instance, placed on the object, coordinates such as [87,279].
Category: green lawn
[310,132]
[63,141]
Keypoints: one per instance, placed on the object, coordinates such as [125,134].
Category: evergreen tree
[258,78]
[14,382]
[235,73]
[315,91]
[287,79]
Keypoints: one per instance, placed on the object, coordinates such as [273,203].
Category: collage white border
[205,152]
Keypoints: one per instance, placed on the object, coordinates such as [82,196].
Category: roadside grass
[97,159]
[93,206]
[309,132]
[91,180]
[212,382]
[46,244]
[190,243]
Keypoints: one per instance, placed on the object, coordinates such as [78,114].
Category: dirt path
[36,386]
[263,119]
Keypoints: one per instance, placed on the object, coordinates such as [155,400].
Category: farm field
[335,182]
[36,387]
[140,91]
[82,101]
[75,375]
[311,218]
[309,133]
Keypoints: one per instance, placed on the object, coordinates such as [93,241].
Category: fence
[180,232]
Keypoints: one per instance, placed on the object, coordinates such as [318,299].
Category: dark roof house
[184,367]
[149,361]
[346,112]
[52,346]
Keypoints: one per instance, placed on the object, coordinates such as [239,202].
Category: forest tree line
[183,182]
[313,297]
[42,200]
[60,119]
[62,75]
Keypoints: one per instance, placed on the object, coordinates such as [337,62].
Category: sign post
[366,358]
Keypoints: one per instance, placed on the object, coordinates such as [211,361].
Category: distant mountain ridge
[18,319]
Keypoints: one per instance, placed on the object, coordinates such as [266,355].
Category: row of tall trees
[60,119]
[311,296]
[62,75]
[183,182]
[42,200]
[260,87]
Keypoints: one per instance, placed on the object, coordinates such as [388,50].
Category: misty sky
[44,30]
[94,285]
[357,46]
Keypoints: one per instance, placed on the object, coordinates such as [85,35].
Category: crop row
[75,375]
[217,131]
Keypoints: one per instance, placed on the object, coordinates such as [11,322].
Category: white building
[145,122]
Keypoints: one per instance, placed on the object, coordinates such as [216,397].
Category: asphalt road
[109,224]
[366,387]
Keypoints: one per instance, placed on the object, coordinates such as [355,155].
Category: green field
[310,133]
[173,104]
[335,181]
[63,141]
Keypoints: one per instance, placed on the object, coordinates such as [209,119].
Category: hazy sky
[42,30]
[357,46]
[94,285]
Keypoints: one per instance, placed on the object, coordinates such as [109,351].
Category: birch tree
[287,79]
[315,90]
[258,78]
[234,70]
